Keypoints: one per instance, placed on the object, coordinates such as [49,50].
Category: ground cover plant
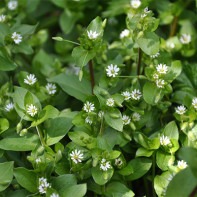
[98,98]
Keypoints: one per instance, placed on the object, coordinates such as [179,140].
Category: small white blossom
[2,18]
[110,102]
[124,33]
[30,80]
[105,165]
[160,83]
[156,55]
[88,120]
[9,107]
[100,114]
[155,76]
[170,45]
[127,95]
[43,185]
[164,140]
[51,88]
[12,5]
[136,117]
[54,195]
[135,3]
[185,38]
[171,176]
[162,68]
[89,107]
[17,38]
[126,120]
[146,11]
[38,160]
[136,94]
[112,70]
[194,103]
[118,162]
[181,164]
[76,156]
[180,110]
[92,35]
[32,110]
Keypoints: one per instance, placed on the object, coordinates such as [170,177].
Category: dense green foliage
[98,98]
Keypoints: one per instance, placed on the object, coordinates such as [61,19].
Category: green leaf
[142,152]
[4,125]
[17,143]
[23,47]
[6,64]
[126,170]
[149,43]
[176,68]
[171,130]
[28,99]
[113,118]
[26,178]
[4,31]
[24,30]
[72,86]
[76,191]
[151,93]
[6,171]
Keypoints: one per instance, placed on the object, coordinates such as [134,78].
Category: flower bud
[19,127]
[23,132]
[80,75]
[57,38]
[140,34]
[191,136]
[184,125]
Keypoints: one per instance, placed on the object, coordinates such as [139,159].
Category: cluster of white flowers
[182,165]
[100,114]
[17,38]
[76,156]
[43,185]
[135,3]
[127,95]
[136,117]
[110,102]
[194,103]
[9,107]
[32,110]
[92,35]
[170,45]
[126,120]
[160,83]
[2,18]
[38,160]
[51,88]
[146,11]
[136,94]
[164,140]
[54,195]
[88,120]
[155,55]
[105,165]
[112,70]
[155,76]
[30,80]
[12,5]
[118,162]
[185,38]
[162,68]
[180,110]
[124,33]
[89,107]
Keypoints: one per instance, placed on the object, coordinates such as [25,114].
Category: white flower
[2,18]
[118,162]
[146,11]
[30,80]
[155,76]
[89,107]
[136,117]
[12,5]
[105,165]
[171,176]
[181,164]
[164,140]
[127,95]
[43,185]
[92,35]
[110,102]
[180,110]
[38,160]
[100,114]
[170,45]
[160,83]
[76,156]
[9,107]
[124,33]
[162,68]
[135,3]
[88,120]
[156,55]
[17,38]
[51,88]
[126,120]
[194,103]
[112,70]
[136,94]
[32,110]
[185,38]
[54,195]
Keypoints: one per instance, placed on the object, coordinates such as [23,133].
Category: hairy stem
[40,136]
[139,61]
[91,75]
[194,192]
[101,129]
[173,28]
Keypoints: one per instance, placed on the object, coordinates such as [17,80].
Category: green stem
[146,187]
[71,42]
[101,129]
[40,136]
[91,75]
[139,61]
[103,190]
[153,173]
